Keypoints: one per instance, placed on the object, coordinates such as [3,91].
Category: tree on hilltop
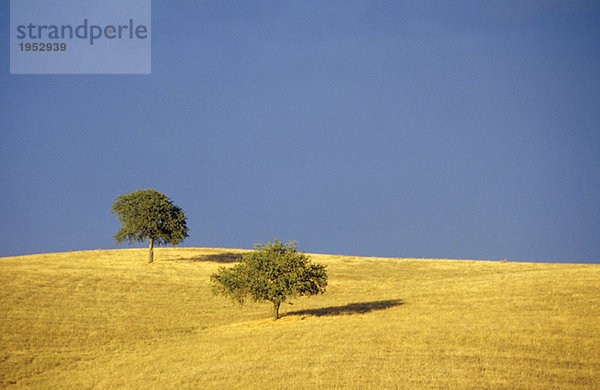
[148,214]
[272,272]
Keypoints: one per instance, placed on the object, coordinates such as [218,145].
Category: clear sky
[466,129]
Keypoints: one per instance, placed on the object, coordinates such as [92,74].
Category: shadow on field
[227,257]
[351,308]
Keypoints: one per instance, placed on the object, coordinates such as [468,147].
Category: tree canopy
[273,272]
[148,214]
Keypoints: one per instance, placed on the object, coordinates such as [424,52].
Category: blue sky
[381,128]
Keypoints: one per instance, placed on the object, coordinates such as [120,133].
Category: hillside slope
[107,319]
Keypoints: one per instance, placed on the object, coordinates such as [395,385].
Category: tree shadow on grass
[226,257]
[351,308]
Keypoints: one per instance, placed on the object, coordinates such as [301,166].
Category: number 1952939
[27,46]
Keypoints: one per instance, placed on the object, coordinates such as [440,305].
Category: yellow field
[107,319]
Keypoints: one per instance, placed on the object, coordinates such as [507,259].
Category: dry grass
[106,319]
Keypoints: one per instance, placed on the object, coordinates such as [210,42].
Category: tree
[272,272]
[148,214]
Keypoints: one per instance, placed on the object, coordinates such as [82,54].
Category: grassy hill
[106,319]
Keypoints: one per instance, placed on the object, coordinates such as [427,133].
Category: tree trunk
[151,254]
[276,310]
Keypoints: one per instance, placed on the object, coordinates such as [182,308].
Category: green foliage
[148,214]
[273,272]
